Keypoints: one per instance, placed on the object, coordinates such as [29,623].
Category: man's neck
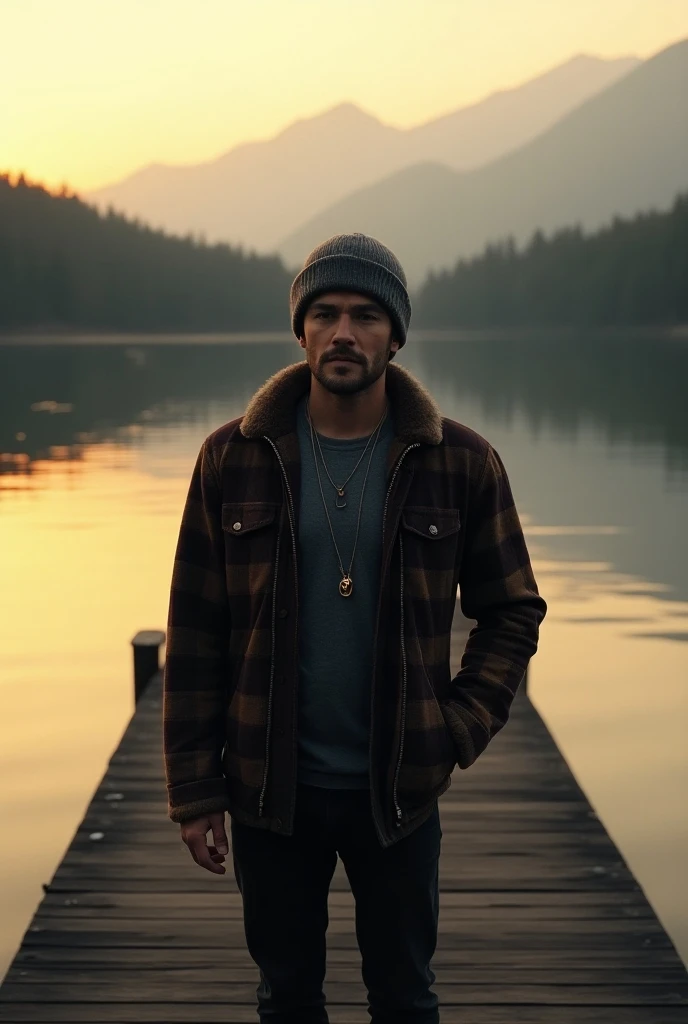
[347,416]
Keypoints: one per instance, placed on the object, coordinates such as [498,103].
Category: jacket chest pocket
[430,537]
[250,536]
[242,517]
[434,525]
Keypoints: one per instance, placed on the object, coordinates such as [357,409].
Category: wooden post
[146,646]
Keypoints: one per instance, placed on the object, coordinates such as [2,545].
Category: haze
[95,91]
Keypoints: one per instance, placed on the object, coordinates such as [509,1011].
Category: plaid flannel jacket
[231,671]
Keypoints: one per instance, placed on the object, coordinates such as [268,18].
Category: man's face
[347,338]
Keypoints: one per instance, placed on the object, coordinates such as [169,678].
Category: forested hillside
[633,272]
[63,265]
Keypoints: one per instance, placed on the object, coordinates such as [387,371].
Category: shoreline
[677,332]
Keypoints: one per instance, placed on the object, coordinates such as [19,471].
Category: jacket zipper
[403,687]
[403,645]
[274,597]
[272,676]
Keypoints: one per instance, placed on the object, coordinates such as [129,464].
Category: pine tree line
[64,265]
[633,272]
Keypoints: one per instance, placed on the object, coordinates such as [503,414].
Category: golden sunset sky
[95,89]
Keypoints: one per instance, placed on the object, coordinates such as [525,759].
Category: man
[307,683]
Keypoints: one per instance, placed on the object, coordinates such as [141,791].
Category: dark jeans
[285,880]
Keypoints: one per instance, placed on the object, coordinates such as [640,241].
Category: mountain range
[621,151]
[261,193]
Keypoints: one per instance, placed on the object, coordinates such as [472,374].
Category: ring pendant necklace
[340,488]
[346,583]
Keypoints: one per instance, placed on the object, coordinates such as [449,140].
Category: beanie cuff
[342,271]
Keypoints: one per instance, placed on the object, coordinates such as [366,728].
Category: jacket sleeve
[195,672]
[497,589]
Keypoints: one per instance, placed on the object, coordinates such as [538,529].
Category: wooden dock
[541,921]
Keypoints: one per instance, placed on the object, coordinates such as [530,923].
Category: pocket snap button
[236,526]
[433,529]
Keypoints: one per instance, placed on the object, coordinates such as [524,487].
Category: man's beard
[353,382]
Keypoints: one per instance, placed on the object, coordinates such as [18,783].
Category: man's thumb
[220,839]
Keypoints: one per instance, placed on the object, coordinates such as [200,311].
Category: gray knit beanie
[356,263]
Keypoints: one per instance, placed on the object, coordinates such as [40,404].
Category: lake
[97,444]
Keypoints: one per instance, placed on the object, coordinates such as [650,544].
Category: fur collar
[272,409]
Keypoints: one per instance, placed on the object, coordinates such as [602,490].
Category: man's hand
[194,833]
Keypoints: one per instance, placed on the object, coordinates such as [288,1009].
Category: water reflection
[97,443]
[608,418]
[633,391]
[56,399]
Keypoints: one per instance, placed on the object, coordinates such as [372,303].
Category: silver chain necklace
[346,584]
[340,488]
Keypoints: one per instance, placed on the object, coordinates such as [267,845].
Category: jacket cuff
[470,737]
[194,799]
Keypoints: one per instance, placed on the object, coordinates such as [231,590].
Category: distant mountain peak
[346,107]
[345,111]
[581,61]
[630,59]
[591,58]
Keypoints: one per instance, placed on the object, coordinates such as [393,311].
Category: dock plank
[541,919]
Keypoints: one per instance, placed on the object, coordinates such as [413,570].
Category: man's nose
[344,327]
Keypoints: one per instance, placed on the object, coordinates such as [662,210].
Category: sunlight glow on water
[89,519]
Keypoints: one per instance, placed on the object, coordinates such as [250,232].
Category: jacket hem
[409,825]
